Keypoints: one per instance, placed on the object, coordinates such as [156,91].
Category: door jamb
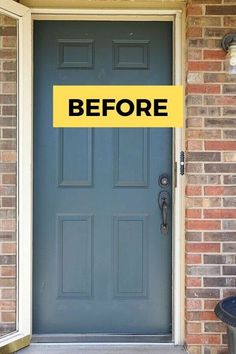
[178,246]
[22,335]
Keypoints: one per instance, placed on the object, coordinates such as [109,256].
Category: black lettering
[90,107]
[143,105]
[105,106]
[119,110]
[75,107]
[158,107]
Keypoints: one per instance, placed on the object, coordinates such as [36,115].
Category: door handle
[164,201]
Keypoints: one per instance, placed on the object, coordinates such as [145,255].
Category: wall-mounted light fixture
[229,45]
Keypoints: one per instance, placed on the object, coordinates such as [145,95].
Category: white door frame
[178,139]
[25,173]
[21,337]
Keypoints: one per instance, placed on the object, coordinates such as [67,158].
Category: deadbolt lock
[164,180]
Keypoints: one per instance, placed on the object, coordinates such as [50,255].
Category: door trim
[177,16]
[21,337]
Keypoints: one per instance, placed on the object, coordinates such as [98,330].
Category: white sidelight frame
[22,335]
[26,17]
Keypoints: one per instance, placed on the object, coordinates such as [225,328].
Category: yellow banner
[117,106]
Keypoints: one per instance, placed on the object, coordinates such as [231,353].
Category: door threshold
[101,338]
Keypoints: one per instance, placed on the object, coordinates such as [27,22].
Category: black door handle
[164,201]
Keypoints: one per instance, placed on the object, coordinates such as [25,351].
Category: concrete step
[102,349]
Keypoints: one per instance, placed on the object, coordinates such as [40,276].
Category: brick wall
[7,173]
[211,173]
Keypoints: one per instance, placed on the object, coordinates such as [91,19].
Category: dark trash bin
[225,310]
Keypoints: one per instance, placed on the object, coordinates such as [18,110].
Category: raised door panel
[75,53]
[131,54]
[75,252]
[75,157]
[131,157]
[130,255]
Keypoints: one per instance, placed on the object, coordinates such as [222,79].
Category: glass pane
[8,174]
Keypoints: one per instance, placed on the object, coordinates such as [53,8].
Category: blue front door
[101,263]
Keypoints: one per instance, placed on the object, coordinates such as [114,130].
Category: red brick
[220,145]
[221,10]
[194,32]
[194,327]
[8,248]
[7,53]
[194,304]
[9,179]
[9,294]
[194,145]
[193,259]
[204,66]
[202,247]
[9,42]
[193,190]
[201,316]
[9,202]
[210,304]
[220,100]
[194,10]
[8,317]
[229,292]
[230,21]
[229,190]
[9,156]
[203,134]
[219,213]
[193,213]
[194,54]
[193,282]
[194,122]
[206,1]
[7,282]
[210,190]
[194,167]
[211,99]
[203,339]
[203,224]
[7,305]
[8,271]
[8,31]
[214,54]
[203,88]
[9,225]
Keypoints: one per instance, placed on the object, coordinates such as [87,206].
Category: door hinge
[182,163]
